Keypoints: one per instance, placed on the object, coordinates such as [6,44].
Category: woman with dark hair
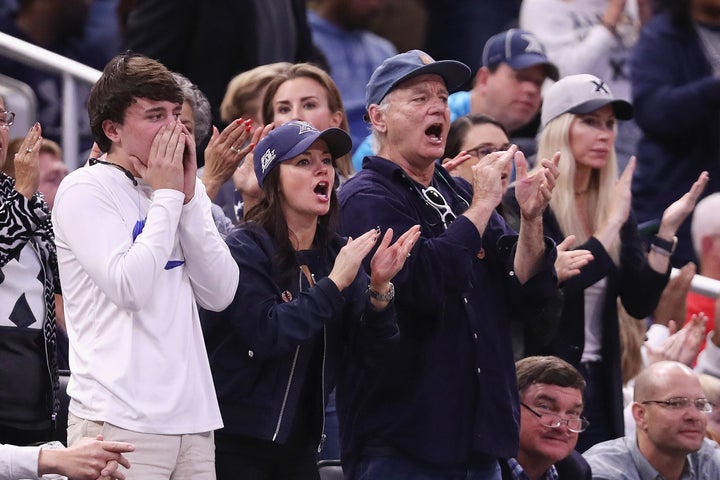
[303,302]
[470,138]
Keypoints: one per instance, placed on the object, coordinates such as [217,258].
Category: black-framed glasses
[434,198]
[681,403]
[551,420]
[6,118]
[484,149]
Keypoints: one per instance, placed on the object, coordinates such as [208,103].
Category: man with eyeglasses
[670,412]
[444,401]
[551,400]
[507,87]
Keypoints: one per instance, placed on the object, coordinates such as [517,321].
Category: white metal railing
[702,285]
[70,72]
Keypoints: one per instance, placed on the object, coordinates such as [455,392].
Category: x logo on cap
[600,86]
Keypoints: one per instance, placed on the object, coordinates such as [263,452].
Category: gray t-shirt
[621,459]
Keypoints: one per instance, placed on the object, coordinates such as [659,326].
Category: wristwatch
[662,246]
[386,297]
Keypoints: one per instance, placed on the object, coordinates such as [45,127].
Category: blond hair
[555,137]
[241,96]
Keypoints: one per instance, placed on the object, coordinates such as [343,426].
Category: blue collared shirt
[519,474]
[621,459]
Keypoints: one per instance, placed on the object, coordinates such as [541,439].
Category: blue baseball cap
[581,94]
[518,48]
[405,66]
[293,138]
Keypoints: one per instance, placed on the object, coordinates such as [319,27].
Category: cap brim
[337,140]
[454,73]
[528,60]
[623,110]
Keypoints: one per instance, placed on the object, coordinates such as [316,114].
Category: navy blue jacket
[261,346]
[447,393]
[677,106]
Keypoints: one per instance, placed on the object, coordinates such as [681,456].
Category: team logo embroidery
[426,59]
[286,296]
[533,44]
[267,159]
[303,127]
[600,86]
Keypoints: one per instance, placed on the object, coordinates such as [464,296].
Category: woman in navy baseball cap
[302,301]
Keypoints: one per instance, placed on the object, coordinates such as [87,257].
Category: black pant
[253,459]
[14,436]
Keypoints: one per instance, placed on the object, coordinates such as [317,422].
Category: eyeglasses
[681,403]
[551,420]
[434,198]
[6,118]
[482,150]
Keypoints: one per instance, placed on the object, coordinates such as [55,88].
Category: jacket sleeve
[436,265]
[212,271]
[666,104]
[19,218]
[18,462]
[268,320]
[369,333]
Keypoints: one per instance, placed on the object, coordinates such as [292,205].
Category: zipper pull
[322,442]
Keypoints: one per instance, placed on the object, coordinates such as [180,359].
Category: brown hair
[242,91]
[335,103]
[548,370]
[125,78]
[269,214]
[460,127]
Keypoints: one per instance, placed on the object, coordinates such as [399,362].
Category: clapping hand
[533,192]
[569,262]
[224,153]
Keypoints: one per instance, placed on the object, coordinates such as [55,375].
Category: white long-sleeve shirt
[577,42]
[137,354]
[18,462]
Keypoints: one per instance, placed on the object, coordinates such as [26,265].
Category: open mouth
[434,131]
[322,189]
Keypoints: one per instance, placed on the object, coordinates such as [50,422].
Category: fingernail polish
[239,121]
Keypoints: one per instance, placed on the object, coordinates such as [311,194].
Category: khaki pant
[156,457]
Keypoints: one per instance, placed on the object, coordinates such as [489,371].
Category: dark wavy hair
[125,78]
[460,127]
[269,214]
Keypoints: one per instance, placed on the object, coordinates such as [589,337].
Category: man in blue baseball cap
[444,401]
[507,87]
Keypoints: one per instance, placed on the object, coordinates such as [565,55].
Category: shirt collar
[647,471]
[519,474]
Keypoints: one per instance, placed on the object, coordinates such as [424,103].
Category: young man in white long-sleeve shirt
[138,251]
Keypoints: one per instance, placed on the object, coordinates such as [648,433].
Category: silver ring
[28,150]
[234,149]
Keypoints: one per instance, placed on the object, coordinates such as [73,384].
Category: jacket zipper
[287,392]
[322,391]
